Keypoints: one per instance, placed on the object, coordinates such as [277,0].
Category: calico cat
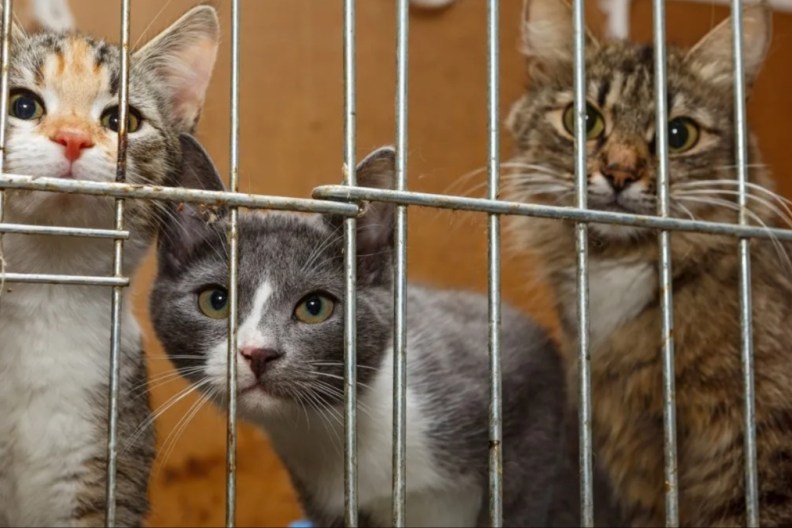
[55,339]
[290,361]
[624,303]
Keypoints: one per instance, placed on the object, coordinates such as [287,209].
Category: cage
[304,87]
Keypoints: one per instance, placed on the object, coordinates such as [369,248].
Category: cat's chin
[617,233]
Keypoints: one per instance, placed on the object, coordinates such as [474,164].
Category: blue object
[302,523]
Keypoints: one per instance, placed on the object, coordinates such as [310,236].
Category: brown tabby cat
[625,313]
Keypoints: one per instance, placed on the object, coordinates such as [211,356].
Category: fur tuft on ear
[713,55]
[183,57]
[547,32]
[185,225]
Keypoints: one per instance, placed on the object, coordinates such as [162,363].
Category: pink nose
[74,141]
[259,358]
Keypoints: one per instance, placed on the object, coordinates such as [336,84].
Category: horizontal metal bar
[483,205]
[44,278]
[23,229]
[174,194]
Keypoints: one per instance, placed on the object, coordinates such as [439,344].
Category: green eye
[314,309]
[683,134]
[595,124]
[109,119]
[24,104]
[213,302]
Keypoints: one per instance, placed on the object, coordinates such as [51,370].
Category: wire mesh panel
[345,200]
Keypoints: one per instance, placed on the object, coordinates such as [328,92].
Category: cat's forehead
[66,62]
[621,80]
[287,249]
[284,236]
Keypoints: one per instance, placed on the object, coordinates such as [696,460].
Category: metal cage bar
[581,244]
[233,265]
[350,276]
[502,207]
[400,274]
[493,271]
[744,248]
[4,58]
[345,199]
[665,274]
[118,271]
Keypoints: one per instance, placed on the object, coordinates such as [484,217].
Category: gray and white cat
[290,361]
[55,339]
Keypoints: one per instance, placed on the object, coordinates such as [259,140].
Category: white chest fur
[618,291]
[54,350]
[316,455]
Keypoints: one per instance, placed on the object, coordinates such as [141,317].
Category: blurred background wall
[292,125]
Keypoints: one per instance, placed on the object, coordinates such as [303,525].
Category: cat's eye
[595,123]
[213,302]
[110,119]
[314,308]
[24,104]
[683,134]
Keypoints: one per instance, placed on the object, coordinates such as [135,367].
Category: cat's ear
[375,225]
[374,239]
[713,56]
[547,33]
[183,57]
[185,225]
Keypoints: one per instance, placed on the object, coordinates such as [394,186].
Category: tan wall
[292,141]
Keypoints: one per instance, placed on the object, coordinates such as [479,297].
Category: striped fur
[626,373]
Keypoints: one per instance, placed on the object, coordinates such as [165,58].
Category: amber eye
[213,302]
[109,119]
[683,134]
[24,104]
[595,123]
[314,308]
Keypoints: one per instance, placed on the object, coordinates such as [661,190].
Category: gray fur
[447,348]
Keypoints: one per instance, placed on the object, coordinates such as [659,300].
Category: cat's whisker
[154,382]
[782,254]
[172,439]
[193,387]
[684,209]
[168,357]
[786,203]
[339,364]
[151,22]
[786,216]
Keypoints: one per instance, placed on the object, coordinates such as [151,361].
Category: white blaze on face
[249,335]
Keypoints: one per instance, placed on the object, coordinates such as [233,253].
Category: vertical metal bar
[118,262]
[746,311]
[4,57]
[350,273]
[233,264]
[666,294]
[494,278]
[400,274]
[584,407]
